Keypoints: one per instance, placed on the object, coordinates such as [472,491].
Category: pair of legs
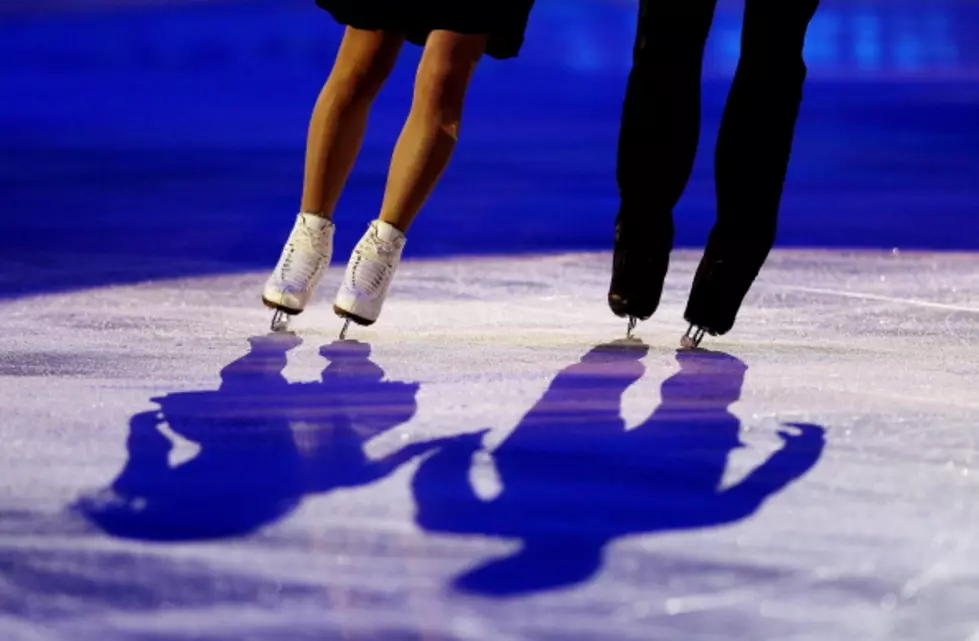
[659,138]
[426,143]
[336,132]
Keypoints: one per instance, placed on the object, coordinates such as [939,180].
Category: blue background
[156,140]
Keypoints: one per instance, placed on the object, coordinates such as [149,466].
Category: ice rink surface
[488,463]
[484,465]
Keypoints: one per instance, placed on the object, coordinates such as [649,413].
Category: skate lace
[304,257]
[373,265]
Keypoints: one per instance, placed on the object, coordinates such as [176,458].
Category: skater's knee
[771,46]
[444,75]
[773,55]
[673,32]
[361,82]
[364,63]
[775,34]
[778,68]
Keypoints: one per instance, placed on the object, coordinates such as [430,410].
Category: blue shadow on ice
[574,479]
[263,444]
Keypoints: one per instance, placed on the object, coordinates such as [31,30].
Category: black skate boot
[639,267]
[719,289]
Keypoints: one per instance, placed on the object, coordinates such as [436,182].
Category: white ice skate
[369,273]
[304,259]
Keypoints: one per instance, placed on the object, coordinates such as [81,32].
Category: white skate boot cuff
[388,232]
[315,222]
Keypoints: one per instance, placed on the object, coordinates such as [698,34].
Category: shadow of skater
[574,478]
[263,443]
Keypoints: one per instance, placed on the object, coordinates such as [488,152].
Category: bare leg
[339,119]
[432,129]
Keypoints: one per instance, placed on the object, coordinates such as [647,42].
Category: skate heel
[280,321]
[349,318]
[693,337]
[630,328]
[281,315]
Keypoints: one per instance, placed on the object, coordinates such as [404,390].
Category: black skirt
[503,20]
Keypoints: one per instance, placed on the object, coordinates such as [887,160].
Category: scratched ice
[483,465]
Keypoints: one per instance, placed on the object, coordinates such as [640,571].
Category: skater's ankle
[390,228]
[316,214]
[316,222]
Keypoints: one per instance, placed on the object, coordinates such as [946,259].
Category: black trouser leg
[752,158]
[657,144]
